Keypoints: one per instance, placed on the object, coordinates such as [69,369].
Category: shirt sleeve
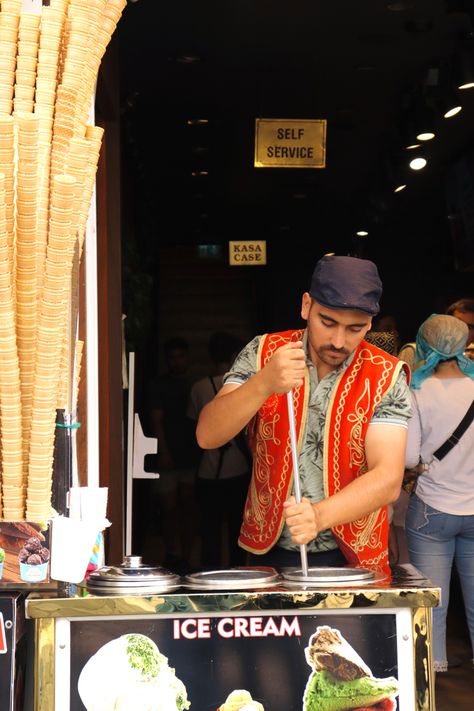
[413,452]
[395,407]
[245,365]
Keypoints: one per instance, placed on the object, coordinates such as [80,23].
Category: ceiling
[351,63]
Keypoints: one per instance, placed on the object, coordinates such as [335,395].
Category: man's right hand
[285,369]
[234,405]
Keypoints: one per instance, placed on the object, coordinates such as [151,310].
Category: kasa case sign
[247,253]
[261,662]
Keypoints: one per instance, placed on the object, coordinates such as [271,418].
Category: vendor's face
[333,334]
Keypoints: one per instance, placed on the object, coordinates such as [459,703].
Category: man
[464,311]
[222,474]
[351,408]
[168,396]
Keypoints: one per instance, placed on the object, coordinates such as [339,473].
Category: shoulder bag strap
[224,446]
[457,434]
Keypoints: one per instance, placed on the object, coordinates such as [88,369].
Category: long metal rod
[296,473]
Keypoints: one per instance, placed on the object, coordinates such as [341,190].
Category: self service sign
[290,143]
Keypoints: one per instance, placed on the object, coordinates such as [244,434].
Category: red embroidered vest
[357,392]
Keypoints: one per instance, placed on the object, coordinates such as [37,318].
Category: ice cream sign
[255,661]
[290,143]
[233,627]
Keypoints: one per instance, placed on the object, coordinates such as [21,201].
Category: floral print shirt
[393,409]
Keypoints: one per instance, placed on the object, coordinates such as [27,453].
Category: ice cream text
[230,627]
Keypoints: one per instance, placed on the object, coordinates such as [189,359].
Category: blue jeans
[436,539]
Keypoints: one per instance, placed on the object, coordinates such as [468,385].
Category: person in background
[384,333]
[223,473]
[351,443]
[440,516]
[407,353]
[464,311]
[177,454]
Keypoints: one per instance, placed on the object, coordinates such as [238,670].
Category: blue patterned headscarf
[440,338]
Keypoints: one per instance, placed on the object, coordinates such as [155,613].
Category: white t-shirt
[438,407]
[234,462]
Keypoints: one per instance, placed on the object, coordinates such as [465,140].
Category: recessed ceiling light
[452,112]
[399,188]
[362,233]
[187,59]
[412,147]
[418,163]
[197,122]
[199,173]
[427,136]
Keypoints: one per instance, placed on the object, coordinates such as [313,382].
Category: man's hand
[285,369]
[301,519]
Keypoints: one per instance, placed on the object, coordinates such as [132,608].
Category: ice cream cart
[272,648]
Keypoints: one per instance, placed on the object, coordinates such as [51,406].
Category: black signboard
[272,662]
[12,652]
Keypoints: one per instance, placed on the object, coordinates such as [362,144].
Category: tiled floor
[455,688]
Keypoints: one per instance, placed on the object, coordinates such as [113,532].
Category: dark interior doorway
[196,76]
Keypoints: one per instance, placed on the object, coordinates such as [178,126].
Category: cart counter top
[405,588]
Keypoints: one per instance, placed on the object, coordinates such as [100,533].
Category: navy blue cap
[347,283]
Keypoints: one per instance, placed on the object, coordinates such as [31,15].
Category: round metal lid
[329,577]
[133,570]
[132,577]
[232,579]
[125,589]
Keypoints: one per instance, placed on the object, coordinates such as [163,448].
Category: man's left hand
[301,519]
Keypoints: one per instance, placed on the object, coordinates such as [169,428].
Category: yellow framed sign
[246,253]
[290,143]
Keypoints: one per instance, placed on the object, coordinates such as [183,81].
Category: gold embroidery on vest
[359,418]
[364,531]
[269,500]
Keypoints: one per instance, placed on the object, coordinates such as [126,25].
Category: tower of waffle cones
[48,159]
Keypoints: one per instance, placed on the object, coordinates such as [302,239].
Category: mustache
[331,349]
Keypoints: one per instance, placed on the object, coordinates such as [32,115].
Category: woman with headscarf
[440,517]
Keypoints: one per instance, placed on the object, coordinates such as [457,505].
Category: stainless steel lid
[232,579]
[132,577]
[329,577]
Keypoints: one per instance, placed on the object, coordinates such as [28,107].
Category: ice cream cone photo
[341,680]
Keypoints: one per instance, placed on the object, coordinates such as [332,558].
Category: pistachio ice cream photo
[130,672]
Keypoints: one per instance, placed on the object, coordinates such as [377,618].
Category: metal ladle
[296,473]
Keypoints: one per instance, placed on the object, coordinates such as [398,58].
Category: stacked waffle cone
[48,161]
